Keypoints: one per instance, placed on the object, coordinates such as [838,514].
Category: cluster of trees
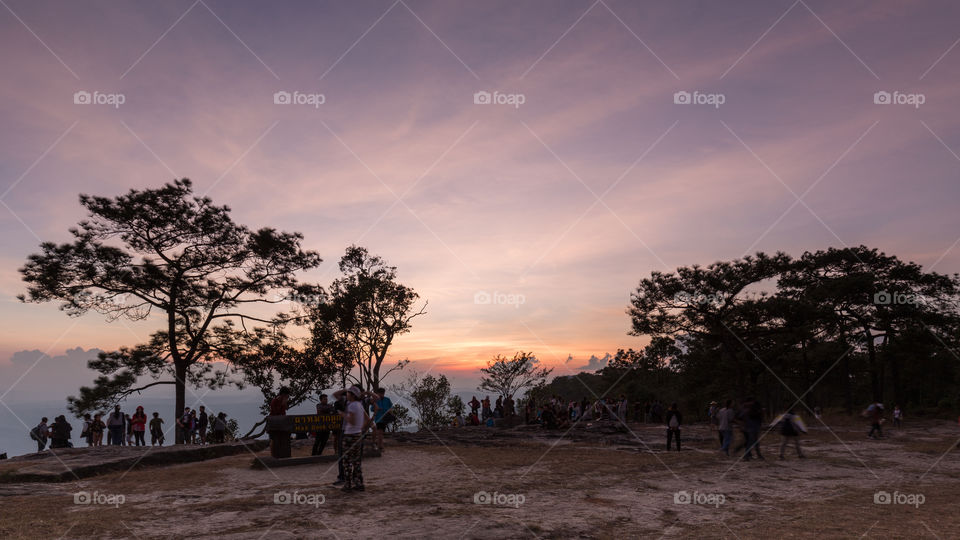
[430,396]
[832,328]
[214,285]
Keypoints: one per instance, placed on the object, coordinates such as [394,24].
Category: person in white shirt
[356,422]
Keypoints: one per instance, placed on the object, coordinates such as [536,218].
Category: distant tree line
[832,328]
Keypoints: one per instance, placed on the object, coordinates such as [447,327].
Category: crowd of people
[362,412]
[747,416]
[122,429]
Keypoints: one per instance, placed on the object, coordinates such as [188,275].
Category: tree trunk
[874,368]
[181,402]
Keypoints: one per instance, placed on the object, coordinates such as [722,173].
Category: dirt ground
[543,487]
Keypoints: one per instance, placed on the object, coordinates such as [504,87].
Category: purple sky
[565,201]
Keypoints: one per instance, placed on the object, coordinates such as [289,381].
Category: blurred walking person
[752,420]
[725,418]
[673,420]
[791,426]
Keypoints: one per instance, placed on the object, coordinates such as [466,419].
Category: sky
[620,138]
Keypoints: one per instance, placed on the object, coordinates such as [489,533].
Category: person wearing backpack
[673,420]
[791,426]
[39,434]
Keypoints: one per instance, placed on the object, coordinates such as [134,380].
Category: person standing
[752,420]
[790,429]
[875,413]
[382,417]
[138,424]
[156,429]
[220,428]
[202,422]
[278,407]
[474,405]
[183,425]
[356,421]
[96,430]
[487,413]
[622,409]
[115,424]
[673,420]
[340,407]
[897,416]
[60,433]
[725,417]
[128,428]
[85,433]
[713,413]
[40,434]
[324,408]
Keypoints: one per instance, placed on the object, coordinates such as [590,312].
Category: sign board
[304,423]
[316,422]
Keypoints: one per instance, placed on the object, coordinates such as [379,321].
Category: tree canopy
[169,253]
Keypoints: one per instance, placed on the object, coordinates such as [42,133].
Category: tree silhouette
[165,252]
[507,376]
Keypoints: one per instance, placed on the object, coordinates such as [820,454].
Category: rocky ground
[594,481]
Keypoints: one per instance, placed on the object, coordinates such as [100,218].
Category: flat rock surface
[67,464]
